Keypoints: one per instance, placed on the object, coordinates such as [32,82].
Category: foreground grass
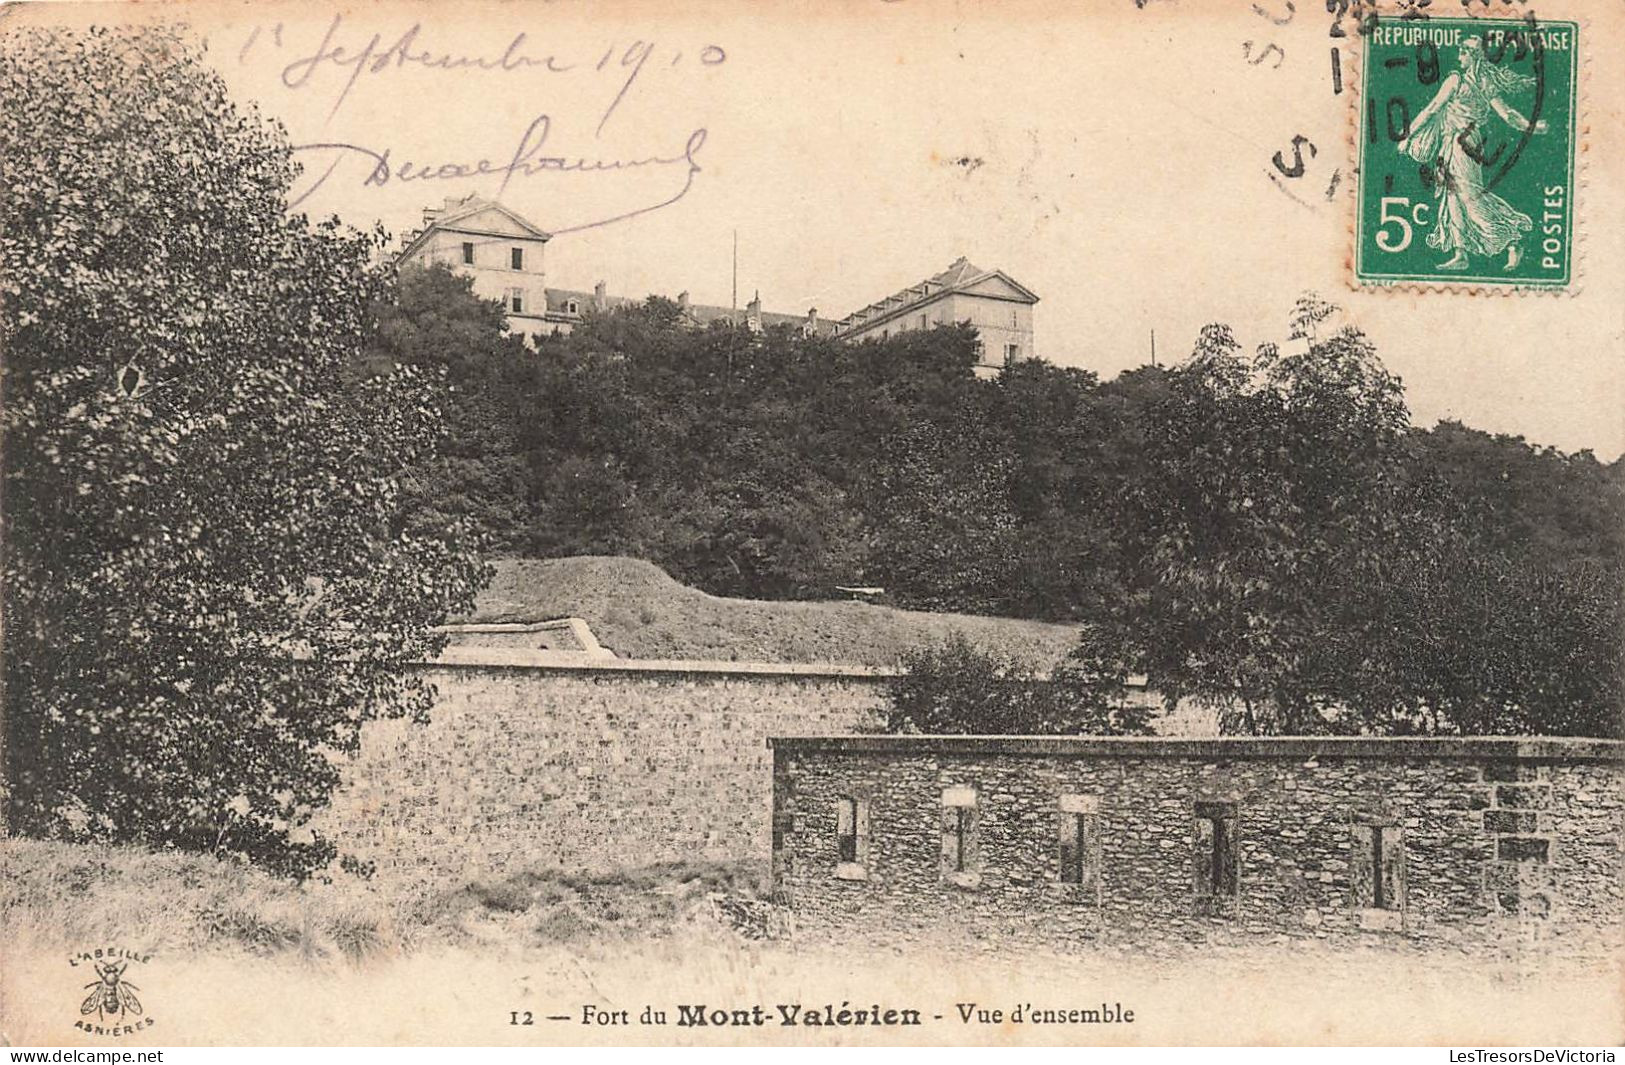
[175,902]
[187,903]
[243,959]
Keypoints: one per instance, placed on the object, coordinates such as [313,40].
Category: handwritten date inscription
[354,55]
[339,56]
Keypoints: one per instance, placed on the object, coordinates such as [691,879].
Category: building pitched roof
[558,300]
[459,209]
[961,275]
[957,274]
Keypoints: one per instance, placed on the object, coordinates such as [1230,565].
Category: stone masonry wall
[531,763]
[1477,839]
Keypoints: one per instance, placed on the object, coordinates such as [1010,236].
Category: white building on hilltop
[503,253]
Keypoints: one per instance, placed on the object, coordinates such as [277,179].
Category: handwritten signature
[526,160]
[372,56]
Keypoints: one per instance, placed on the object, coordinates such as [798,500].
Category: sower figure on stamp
[1447,137]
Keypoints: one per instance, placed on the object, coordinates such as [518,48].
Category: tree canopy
[211,578]
[957,689]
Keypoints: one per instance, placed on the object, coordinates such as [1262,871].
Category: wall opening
[851,838]
[846,829]
[1377,873]
[1079,840]
[961,853]
[1217,857]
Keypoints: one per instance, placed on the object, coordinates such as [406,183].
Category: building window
[1015,321]
[1216,854]
[851,838]
[468,253]
[846,830]
[1079,834]
[516,301]
[1012,352]
[961,853]
[922,321]
[518,256]
[572,306]
[1377,873]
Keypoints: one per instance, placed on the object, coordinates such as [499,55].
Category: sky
[1115,160]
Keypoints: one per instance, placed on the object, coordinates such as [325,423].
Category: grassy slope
[178,902]
[638,611]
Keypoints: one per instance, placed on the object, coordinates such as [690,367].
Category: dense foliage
[1265,532]
[209,579]
[957,689]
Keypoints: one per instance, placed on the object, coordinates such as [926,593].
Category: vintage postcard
[852,523]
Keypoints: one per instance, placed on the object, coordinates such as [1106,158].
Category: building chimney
[598,296]
[753,312]
[682,301]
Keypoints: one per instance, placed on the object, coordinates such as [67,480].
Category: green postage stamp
[1466,148]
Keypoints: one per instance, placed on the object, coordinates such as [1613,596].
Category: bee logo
[113,996]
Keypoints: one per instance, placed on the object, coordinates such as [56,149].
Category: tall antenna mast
[1153,349]
[734,316]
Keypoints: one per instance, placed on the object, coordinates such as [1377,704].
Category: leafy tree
[944,538]
[1516,494]
[1060,431]
[1492,642]
[956,688]
[478,475]
[1295,553]
[758,465]
[1504,616]
[1269,488]
[208,582]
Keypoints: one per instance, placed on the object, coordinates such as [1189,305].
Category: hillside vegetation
[638,611]
[1266,530]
